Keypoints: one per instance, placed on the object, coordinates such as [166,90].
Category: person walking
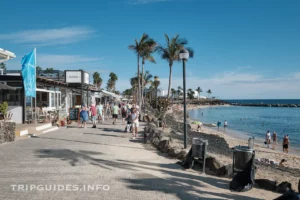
[83,116]
[285,144]
[274,137]
[115,110]
[135,122]
[268,138]
[124,113]
[107,110]
[219,124]
[93,111]
[225,125]
[129,120]
[100,112]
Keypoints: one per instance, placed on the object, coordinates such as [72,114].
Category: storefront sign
[73,76]
[86,78]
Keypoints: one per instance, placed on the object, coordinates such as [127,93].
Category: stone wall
[7,131]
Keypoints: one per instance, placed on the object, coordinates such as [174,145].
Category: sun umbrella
[6,87]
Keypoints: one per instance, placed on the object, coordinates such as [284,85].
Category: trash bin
[199,148]
[241,157]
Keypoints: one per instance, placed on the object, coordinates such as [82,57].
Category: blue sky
[243,48]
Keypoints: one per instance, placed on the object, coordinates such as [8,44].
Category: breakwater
[265,105]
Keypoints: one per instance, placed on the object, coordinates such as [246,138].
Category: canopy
[110,94]
[6,87]
[6,55]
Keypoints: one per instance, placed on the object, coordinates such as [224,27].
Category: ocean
[264,101]
[254,121]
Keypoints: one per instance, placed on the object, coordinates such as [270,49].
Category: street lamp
[156,84]
[184,56]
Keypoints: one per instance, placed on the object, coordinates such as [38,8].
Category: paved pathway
[85,159]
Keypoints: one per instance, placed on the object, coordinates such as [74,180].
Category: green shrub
[3,107]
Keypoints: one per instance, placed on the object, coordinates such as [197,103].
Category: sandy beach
[290,172]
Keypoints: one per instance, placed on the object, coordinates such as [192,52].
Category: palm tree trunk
[170,81]
[139,83]
[142,90]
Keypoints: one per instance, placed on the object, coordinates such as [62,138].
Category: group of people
[225,124]
[100,112]
[285,143]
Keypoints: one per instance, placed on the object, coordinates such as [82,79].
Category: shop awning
[110,94]
[6,87]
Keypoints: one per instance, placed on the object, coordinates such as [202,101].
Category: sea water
[254,121]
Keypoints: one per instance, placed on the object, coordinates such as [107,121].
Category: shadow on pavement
[86,142]
[105,135]
[115,130]
[179,182]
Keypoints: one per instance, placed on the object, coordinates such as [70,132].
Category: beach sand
[290,173]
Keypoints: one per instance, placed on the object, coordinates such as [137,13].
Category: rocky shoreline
[266,105]
[170,141]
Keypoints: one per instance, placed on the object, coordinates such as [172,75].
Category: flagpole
[35,83]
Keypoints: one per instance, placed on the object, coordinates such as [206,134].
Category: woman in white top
[135,122]
[268,138]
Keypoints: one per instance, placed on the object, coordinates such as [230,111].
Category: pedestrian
[93,111]
[124,113]
[83,116]
[219,124]
[108,111]
[268,138]
[100,112]
[285,144]
[274,137]
[135,122]
[129,121]
[225,125]
[115,110]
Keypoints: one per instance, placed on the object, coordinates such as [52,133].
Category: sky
[244,49]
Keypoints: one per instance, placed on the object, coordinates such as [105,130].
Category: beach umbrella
[6,87]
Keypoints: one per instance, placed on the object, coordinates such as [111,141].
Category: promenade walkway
[82,158]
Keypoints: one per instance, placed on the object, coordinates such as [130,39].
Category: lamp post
[184,56]
[156,84]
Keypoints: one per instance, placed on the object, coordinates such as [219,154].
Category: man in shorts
[115,109]
[285,144]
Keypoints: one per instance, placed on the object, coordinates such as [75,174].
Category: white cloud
[146,1]
[243,85]
[39,37]
[54,60]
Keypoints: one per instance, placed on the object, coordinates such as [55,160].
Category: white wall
[17,113]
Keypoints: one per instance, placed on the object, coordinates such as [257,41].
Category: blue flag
[29,73]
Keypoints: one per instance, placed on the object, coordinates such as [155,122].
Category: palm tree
[134,85]
[39,68]
[146,79]
[111,83]
[49,70]
[209,92]
[146,55]
[3,66]
[199,90]
[179,91]
[140,47]
[191,93]
[173,91]
[170,53]
[97,79]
